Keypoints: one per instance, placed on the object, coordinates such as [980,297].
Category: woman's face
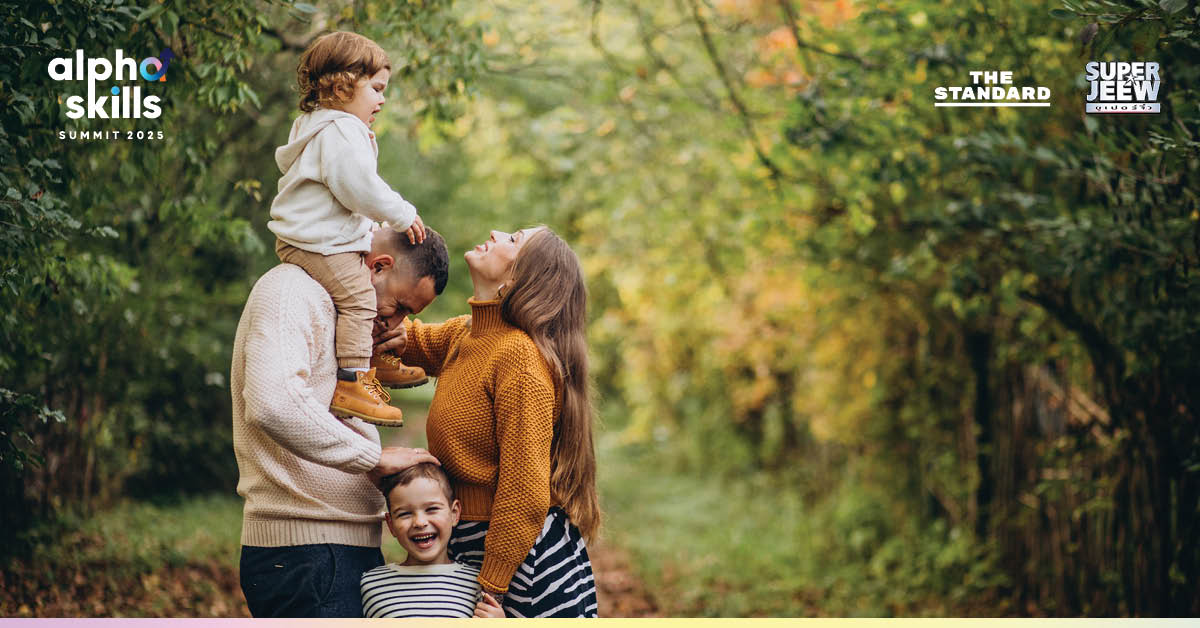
[493,260]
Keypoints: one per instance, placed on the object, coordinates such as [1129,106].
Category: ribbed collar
[485,317]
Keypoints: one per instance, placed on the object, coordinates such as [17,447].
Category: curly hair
[332,65]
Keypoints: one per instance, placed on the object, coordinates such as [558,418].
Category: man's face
[398,294]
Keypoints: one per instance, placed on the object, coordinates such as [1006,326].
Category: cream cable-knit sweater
[301,469]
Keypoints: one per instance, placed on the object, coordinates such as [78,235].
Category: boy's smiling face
[421,520]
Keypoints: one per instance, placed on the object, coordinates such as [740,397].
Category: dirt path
[193,590]
[621,593]
[212,590]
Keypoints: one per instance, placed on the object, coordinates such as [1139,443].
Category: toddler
[329,196]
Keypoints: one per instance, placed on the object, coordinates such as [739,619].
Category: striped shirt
[393,590]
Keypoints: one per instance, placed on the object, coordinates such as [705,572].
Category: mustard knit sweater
[490,424]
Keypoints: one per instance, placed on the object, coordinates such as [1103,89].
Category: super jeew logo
[119,101]
[1123,87]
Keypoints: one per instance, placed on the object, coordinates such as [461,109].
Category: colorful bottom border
[658,622]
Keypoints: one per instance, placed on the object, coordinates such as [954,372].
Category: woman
[511,423]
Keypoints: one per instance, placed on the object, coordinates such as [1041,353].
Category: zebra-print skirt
[556,578]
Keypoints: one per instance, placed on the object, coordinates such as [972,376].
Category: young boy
[329,196]
[422,512]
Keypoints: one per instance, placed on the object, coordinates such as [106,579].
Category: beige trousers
[348,281]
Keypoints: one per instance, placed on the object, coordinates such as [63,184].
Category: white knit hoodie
[330,191]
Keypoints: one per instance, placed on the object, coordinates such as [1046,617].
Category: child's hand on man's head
[488,607]
[416,231]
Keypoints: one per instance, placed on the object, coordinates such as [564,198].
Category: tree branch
[1106,359]
[789,15]
[287,44]
[208,28]
[647,37]
[743,114]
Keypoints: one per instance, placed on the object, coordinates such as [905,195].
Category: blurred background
[853,354]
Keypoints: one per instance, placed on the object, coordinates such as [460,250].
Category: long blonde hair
[547,299]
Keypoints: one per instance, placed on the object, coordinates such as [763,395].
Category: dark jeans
[306,580]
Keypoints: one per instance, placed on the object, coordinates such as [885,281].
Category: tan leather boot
[395,374]
[366,399]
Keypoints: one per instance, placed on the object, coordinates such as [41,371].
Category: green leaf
[304,7]
[1101,43]
[150,12]
[1062,14]
[1172,6]
[1145,37]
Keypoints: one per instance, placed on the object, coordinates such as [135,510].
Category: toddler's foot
[395,374]
[364,398]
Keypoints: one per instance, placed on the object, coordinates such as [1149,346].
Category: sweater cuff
[495,572]
[367,458]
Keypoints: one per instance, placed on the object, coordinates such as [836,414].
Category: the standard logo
[991,88]
[120,101]
[1123,87]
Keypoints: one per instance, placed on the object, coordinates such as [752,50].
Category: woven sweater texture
[490,424]
[300,468]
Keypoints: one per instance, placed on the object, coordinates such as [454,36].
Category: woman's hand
[397,459]
[488,607]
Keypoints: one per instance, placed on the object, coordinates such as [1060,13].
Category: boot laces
[392,359]
[377,390]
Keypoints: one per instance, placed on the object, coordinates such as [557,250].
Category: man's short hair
[426,470]
[427,259]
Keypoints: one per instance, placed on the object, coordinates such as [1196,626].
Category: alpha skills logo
[119,101]
[1123,87]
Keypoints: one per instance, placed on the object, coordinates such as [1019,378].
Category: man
[311,522]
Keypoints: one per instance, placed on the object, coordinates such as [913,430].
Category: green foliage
[134,559]
[1091,220]
[799,264]
[139,537]
[751,545]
